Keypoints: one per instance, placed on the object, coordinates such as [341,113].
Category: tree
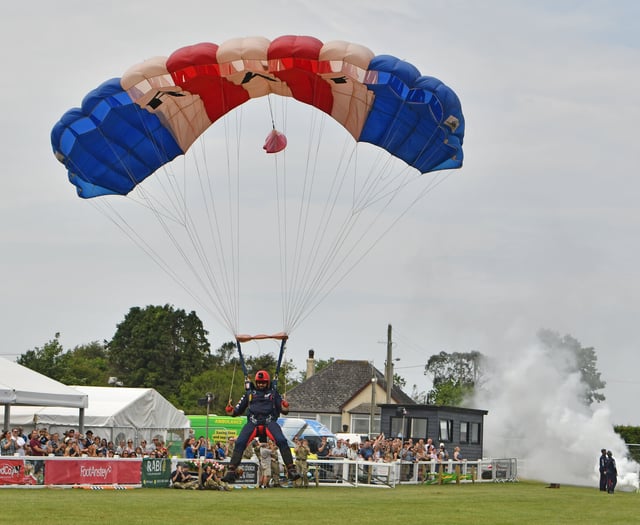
[579,359]
[455,376]
[86,364]
[158,347]
[44,360]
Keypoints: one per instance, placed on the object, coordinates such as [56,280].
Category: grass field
[500,503]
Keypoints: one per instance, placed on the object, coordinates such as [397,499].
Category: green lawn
[521,503]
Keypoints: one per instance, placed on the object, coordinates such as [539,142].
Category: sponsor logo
[95,472]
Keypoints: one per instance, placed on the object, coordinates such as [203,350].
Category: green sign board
[217,428]
[156,472]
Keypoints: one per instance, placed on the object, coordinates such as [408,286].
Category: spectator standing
[72,449]
[19,440]
[190,448]
[231,445]
[219,451]
[264,458]
[7,443]
[202,446]
[340,452]
[366,450]
[442,455]
[324,452]
[102,446]
[35,445]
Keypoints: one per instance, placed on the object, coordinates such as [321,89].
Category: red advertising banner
[14,471]
[93,472]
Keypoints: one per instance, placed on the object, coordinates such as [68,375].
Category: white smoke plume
[536,415]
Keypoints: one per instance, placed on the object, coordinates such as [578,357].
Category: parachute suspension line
[318,270]
[192,234]
[342,257]
[150,204]
[245,338]
[303,215]
[220,284]
[273,122]
[233,377]
[181,216]
[330,287]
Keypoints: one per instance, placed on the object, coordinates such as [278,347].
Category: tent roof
[110,407]
[20,385]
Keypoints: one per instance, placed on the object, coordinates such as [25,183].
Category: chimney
[311,365]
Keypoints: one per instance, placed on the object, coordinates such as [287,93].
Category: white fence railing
[360,472]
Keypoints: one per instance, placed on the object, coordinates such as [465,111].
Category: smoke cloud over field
[536,415]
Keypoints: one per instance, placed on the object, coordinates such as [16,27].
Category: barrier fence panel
[156,472]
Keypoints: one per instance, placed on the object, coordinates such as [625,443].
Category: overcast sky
[539,229]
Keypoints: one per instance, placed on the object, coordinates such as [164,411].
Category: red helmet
[262,376]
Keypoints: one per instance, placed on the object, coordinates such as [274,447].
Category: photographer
[182,479]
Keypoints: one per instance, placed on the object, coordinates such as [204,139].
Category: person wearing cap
[182,479]
[302,452]
[602,467]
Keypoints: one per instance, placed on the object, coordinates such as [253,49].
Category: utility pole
[389,368]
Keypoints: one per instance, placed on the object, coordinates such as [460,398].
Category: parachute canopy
[129,127]
[327,211]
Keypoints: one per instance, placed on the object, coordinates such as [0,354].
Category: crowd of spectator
[39,442]
[193,448]
[386,450]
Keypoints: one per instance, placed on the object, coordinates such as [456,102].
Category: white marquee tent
[20,386]
[113,413]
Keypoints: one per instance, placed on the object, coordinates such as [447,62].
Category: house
[350,396]
[453,426]
[344,396]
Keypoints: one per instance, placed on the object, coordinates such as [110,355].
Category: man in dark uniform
[612,473]
[602,467]
[263,405]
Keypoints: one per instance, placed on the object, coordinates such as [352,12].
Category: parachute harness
[245,338]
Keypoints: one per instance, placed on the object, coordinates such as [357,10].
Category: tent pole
[81,421]
[7,416]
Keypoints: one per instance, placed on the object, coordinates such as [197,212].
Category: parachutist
[263,405]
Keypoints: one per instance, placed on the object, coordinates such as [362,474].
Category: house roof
[330,389]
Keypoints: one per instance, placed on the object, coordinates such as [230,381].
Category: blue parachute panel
[110,144]
[415,118]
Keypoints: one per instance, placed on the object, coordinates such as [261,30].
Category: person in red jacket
[263,405]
